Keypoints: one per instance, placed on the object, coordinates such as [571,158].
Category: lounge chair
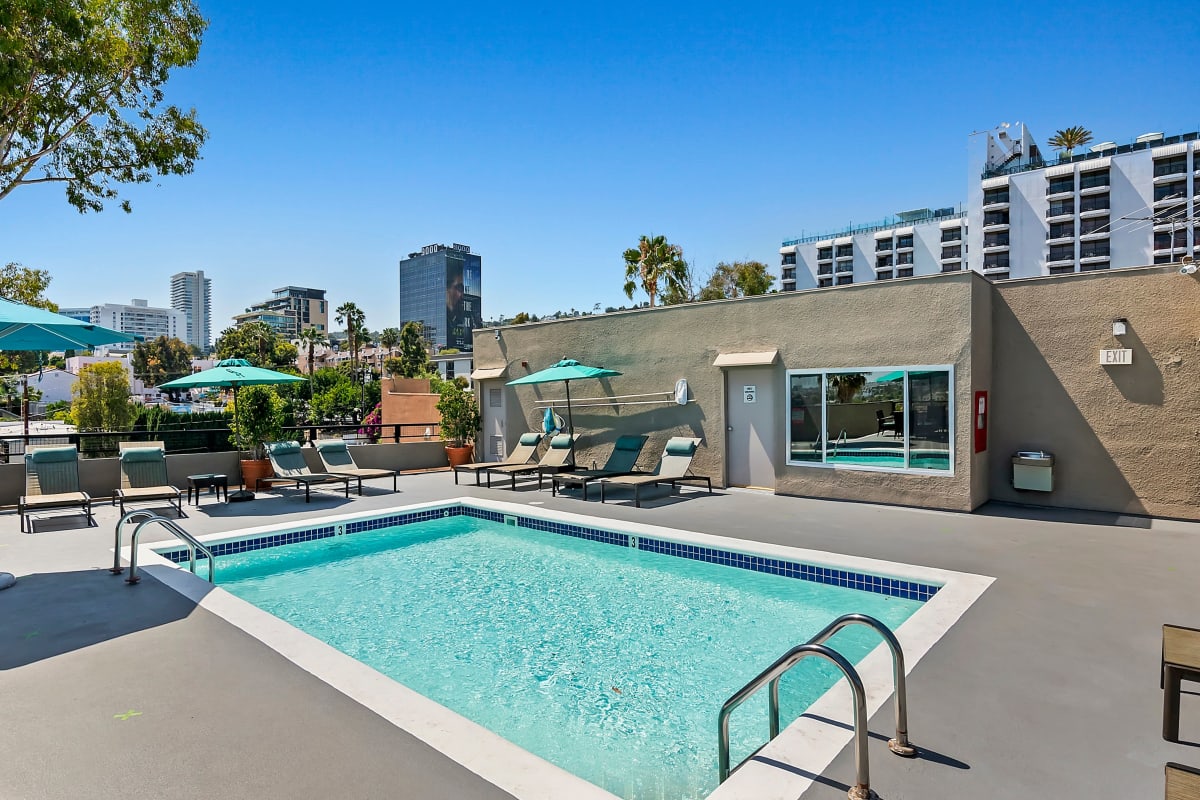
[1183,783]
[52,482]
[672,468]
[1180,661]
[336,459]
[560,456]
[524,453]
[290,467]
[144,476]
[621,461]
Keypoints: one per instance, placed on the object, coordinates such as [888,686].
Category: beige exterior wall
[1126,438]
[921,321]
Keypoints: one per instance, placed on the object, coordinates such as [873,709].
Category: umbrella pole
[243,493]
[570,420]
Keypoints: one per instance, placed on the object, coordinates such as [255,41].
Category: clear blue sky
[549,137]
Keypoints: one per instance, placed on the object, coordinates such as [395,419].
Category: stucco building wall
[1126,438]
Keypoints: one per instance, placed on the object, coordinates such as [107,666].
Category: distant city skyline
[558,137]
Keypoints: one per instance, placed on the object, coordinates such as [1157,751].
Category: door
[492,408]
[752,426]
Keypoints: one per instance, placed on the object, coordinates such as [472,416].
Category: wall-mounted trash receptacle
[1033,471]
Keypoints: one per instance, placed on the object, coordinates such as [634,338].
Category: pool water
[609,661]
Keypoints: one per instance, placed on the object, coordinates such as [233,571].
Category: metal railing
[150,518]
[772,675]
[937,215]
[1041,163]
[104,444]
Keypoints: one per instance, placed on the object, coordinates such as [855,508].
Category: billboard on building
[462,301]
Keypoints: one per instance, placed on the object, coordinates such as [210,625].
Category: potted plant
[460,421]
[258,418]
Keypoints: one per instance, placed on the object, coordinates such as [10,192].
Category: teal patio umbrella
[233,373]
[566,371]
[25,327]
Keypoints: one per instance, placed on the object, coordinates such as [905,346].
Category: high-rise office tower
[440,288]
[191,293]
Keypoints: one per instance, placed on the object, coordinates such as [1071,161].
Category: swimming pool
[605,652]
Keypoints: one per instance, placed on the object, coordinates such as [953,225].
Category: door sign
[750,394]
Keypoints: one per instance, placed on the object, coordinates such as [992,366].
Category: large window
[880,418]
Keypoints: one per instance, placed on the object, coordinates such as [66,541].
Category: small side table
[210,481]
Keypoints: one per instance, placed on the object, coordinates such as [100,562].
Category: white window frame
[825,373]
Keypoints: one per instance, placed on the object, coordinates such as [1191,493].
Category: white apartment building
[141,319]
[1108,205]
[191,293]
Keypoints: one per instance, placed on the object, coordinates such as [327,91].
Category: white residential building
[1027,215]
[141,319]
[191,293]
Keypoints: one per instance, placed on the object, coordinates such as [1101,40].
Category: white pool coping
[776,772]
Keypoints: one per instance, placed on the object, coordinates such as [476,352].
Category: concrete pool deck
[1048,685]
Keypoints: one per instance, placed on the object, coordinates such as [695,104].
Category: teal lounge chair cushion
[680,447]
[284,448]
[530,438]
[330,446]
[630,443]
[53,455]
[561,442]
[142,454]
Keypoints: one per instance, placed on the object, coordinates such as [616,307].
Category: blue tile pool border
[866,582]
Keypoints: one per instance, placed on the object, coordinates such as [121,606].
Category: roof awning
[760,359]
[489,373]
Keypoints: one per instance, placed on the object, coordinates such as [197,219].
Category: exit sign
[1116,357]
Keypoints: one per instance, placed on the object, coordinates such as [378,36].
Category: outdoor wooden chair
[673,467]
[1183,783]
[1180,660]
[52,482]
[144,476]
[524,453]
[290,467]
[559,457]
[337,460]
[622,461]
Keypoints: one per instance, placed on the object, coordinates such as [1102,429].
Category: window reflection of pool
[866,417]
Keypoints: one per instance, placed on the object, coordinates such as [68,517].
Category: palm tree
[1069,138]
[389,338]
[653,262]
[353,318]
[311,339]
[263,336]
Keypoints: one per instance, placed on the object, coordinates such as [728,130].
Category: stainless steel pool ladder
[150,518]
[815,647]
[842,438]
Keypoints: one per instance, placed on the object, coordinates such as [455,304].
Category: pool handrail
[862,787]
[899,745]
[193,544]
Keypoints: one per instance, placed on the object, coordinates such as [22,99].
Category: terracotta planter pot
[459,455]
[253,469]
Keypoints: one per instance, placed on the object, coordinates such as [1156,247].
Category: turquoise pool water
[608,661]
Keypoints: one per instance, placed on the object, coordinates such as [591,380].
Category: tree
[350,315]
[81,93]
[311,339]
[258,418]
[681,290]
[520,319]
[161,360]
[25,285]
[414,360]
[101,398]
[1069,138]
[390,339]
[739,279]
[847,385]
[258,343]
[654,263]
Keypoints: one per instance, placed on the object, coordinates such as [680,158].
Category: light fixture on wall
[1120,326]
[497,334]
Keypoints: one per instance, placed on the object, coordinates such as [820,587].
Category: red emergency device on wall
[980,414]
